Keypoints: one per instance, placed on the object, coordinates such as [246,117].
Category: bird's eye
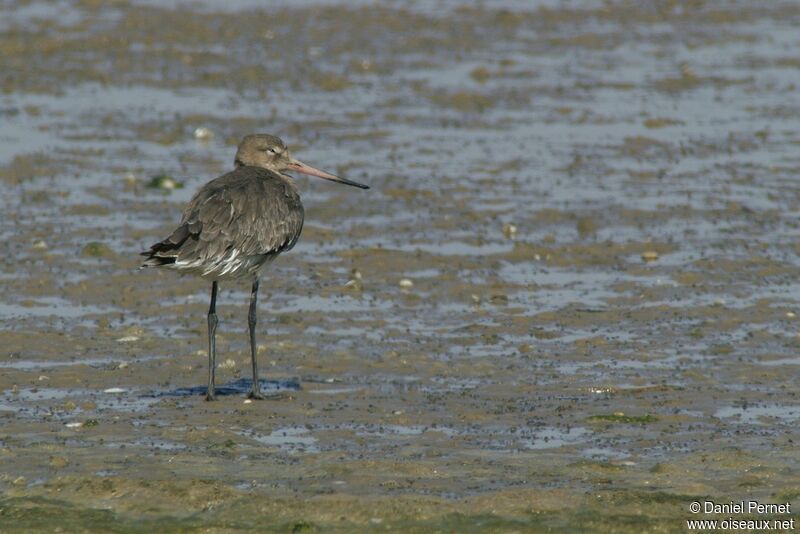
[272,150]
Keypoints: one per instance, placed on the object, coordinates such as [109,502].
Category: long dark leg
[212,341]
[255,393]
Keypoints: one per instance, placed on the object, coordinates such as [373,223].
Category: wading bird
[235,225]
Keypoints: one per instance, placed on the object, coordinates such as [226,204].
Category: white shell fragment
[203,134]
[355,280]
[229,364]
[509,230]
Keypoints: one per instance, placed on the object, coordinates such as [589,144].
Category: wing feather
[247,213]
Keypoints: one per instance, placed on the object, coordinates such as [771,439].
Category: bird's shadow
[237,387]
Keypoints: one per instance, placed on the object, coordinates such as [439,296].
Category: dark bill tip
[299,166]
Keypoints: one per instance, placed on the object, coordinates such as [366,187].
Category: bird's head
[270,152]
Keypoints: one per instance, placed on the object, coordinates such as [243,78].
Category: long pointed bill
[299,166]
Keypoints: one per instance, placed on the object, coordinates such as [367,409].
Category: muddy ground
[568,302]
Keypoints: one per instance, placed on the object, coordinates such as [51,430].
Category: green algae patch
[25,167]
[331,82]
[623,419]
[660,122]
[304,526]
[164,182]
[617,512]
[96,249]
[480,74]
[463,101]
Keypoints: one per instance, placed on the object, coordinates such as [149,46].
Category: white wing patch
[232,265]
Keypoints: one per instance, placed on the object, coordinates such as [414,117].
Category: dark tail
[166,252]
[155,261]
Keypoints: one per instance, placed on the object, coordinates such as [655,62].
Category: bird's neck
[288,179]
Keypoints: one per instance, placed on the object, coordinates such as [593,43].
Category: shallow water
[596,204]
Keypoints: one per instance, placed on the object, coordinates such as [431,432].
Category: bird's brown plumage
[233,226]
[237,223]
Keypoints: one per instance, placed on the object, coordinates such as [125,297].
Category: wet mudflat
[569,301]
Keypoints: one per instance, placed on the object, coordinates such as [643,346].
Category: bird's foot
[256,395]
[210,397]
[278,395]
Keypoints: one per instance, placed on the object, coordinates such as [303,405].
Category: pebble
[509,230]
[406,283]
[649,255]
[204,134]
[790,315]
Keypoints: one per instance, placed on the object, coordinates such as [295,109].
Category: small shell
[229,364]
[406,283]
[203,134]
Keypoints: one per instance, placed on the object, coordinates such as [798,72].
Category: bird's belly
[230,267]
